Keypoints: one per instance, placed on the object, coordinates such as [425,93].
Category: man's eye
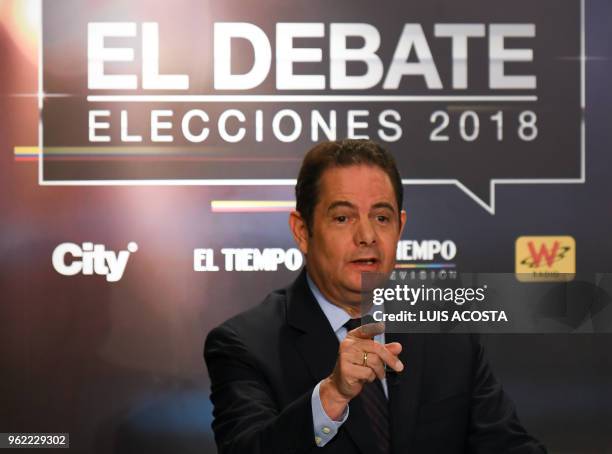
[341,219]
[383,219]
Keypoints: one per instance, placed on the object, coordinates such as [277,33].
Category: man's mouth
[366,261]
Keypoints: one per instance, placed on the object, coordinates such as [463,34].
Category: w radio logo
[545,258]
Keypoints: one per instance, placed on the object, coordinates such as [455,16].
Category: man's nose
[365,234]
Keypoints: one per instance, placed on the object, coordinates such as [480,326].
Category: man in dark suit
[297,374]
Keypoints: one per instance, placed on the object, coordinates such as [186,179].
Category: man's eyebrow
[340,203]
[347,204]
[383,205]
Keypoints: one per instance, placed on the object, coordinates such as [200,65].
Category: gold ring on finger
[365,359]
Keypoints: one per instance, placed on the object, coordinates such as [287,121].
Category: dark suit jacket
[265,363]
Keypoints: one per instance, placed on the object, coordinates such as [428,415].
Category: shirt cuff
[325,428]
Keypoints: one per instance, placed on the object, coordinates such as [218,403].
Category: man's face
[355,229]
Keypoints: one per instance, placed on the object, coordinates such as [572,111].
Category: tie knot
[357,322]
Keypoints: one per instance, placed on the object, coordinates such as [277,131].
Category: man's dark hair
[340,153]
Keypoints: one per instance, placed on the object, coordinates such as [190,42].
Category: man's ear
[299,229]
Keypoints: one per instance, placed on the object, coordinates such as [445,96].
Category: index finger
[368,331]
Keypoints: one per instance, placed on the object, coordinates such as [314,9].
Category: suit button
[326,430]
[318,440]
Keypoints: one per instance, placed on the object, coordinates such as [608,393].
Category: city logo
[545,258]
[70,259]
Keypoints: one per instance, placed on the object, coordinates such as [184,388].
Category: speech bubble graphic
[475,94]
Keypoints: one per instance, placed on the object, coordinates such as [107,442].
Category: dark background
[119,365]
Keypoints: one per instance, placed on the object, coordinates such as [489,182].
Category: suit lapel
[316,342]
[318,346]
[404,390]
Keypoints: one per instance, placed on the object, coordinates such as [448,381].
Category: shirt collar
[336,316]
